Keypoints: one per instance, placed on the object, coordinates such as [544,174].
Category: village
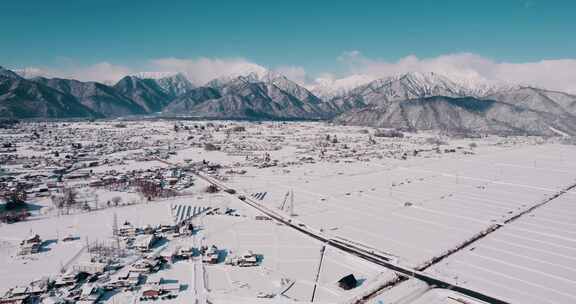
[232,212]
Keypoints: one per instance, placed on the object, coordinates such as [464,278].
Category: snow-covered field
[416,210]
[531,260]
[410,199]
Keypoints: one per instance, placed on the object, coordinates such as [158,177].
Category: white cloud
[559,74]
[200,70]
[102,72]
[30,72]
[551,74]
[203,69]
[294,73]
[327,84]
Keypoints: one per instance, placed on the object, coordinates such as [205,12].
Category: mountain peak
[8,73]
[153,75]
[406,86]
[254,75]
[176,84]
[329,88]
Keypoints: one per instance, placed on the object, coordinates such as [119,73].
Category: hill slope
[96,96]
[460,115]
[144,92]
[22,98]
[271,96]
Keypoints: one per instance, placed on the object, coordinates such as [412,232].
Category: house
[248,259]
[69,238]
[128,279]
[144,243]
[127,230]
[171,287]
[151,292]
[348,282]
[134,278]
[21,295]
[30,245]
[15,300]
[183,253]
[90,293]
[69,278]
[211,256]
[146,265]
[78,174]
[90,267]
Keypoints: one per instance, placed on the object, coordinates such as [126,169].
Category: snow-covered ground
[407,198]
[531,260]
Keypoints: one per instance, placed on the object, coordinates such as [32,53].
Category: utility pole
[115,226]
[285,200]
[292,203]
[318,271]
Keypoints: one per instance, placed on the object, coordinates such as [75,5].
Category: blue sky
[308,34]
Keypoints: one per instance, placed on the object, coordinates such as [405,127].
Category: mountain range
[461,115]
[411,101]
[253,96]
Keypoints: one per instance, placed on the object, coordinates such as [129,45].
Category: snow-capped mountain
[280,81]
[253,95]
[30,72]
[220,82]
[271,79]
[406,86]
[429,101]
[153,75]
[173,83]
[176,84]
[463,115]
[253,74]
[482,87]
[23,98]
[8,73]
[96,96]
[557,103]
[145,92]
[402,87]
[417,101]
[329,88]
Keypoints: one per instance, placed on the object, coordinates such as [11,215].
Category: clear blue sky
[305,33]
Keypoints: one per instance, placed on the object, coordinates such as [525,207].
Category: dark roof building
[348,282]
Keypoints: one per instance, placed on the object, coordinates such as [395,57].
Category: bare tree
[211,189]
[149,190]
[15,199]
[116,200]
[65,200]
[211,147]
[70,197]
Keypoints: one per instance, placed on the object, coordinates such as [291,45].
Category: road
[199,276]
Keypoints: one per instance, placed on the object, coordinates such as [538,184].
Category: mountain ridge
[410,100]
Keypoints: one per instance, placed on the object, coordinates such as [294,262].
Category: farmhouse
[30,245]
[144,243]
[348,282]
[90,294]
